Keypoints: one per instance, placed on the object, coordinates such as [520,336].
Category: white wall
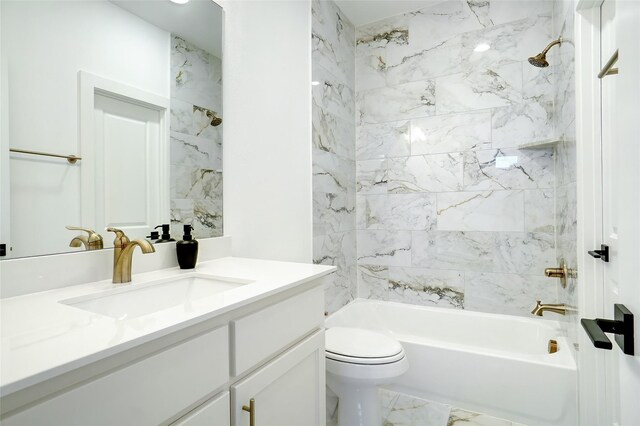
[267,138]
[44,45]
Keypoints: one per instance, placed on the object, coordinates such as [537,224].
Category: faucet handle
[94,240]
[121,239]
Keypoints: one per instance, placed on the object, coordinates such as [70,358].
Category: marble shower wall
[334,183]
[566,160]
[450,212]
[196,145]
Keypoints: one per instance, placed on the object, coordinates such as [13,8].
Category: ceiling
[199,21]
[362,12]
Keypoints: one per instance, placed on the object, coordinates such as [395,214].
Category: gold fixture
[563,272]
[553,346]
[607,69]
[91,242]
[215,120]
[211,115]
[251,409]
[558,308]
[540,60]
[70,158]
[123,255]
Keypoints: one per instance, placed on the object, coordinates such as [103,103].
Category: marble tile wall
[334,170]
[449,211]
[566,161]
[196,145]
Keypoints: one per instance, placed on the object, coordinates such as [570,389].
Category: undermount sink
[136,300]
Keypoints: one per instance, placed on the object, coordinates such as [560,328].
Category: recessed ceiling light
[315,83]
[482,47]
[179,1]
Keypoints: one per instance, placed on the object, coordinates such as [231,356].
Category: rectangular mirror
[132,91]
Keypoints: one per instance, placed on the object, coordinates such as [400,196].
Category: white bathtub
[488,363]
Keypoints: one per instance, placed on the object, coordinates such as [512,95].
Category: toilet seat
[363,347]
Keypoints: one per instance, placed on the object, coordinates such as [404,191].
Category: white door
[288,391]
[620,145]
[127,141]
[124,144]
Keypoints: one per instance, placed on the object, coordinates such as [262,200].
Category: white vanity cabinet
[214,412]
[272,352]
[288,391]
[144,392]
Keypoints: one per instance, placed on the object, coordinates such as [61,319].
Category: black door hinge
[3,250]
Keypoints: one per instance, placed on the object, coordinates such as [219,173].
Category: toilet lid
[359,346]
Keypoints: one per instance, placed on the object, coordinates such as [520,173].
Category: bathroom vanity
[146,353]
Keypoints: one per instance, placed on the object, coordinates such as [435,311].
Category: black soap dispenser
[187,249]
[166,233]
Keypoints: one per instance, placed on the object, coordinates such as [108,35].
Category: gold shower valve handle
[554,272]
[562,272]
[251,409]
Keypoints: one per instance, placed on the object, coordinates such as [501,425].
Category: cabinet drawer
[146,392]
[214,412]
[268,331]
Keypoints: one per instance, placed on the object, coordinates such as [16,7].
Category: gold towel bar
[70,158]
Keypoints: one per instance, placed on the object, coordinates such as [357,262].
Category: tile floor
[400,409]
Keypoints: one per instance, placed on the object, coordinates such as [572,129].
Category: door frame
[591,363]
[5,160]
[88,86]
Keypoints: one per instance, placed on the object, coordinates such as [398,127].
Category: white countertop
[41,338]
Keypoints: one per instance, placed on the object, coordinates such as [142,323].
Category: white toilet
[358,361]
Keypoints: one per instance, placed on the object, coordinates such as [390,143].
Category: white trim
[588,4]
[89,85]
[591,371]
[5,161]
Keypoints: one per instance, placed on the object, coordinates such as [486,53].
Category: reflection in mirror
[133,88]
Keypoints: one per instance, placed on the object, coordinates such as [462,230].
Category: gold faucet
[91,242]
[558,308]
[123,255]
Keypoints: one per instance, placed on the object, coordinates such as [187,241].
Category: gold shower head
[215,120]
[540,60]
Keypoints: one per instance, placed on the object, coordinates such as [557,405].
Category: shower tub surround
[334,185]
[450,211]
[485,363]
[196,145]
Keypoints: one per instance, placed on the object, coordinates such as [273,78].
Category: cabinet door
[289,391]
[214,412]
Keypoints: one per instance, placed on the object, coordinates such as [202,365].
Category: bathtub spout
[558,308]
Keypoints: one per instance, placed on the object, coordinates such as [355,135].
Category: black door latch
[3,249]
[603,253]
[621,326]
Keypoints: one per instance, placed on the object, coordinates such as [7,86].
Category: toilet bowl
[357,362]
